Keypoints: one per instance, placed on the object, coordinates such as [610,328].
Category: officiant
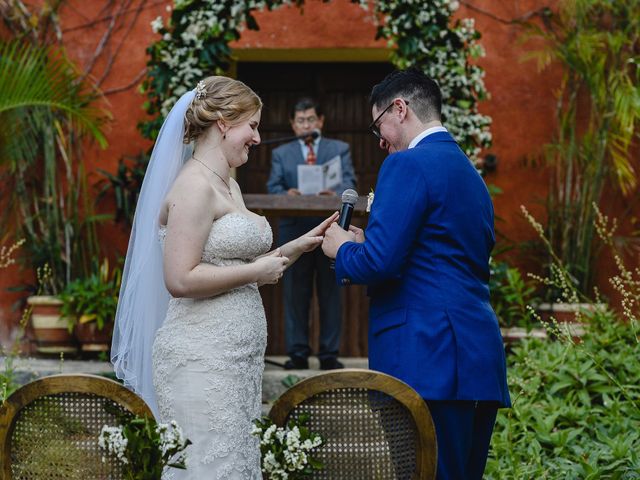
[307,119]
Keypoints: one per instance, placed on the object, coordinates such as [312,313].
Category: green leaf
[290,380]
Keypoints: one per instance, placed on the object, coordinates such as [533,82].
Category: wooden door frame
[308,55]
[305,55]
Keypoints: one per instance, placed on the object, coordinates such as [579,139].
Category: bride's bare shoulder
[189,179]
[190,192]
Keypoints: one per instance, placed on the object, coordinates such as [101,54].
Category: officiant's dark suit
[306,117]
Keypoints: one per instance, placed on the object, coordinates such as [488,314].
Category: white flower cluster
[157,25]
[171,437]
[295,452]
[180,53]
[444,53]
[370,198]
[112,440]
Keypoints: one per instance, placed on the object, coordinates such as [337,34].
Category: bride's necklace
[214,172]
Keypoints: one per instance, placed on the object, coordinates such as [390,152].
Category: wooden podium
[355,304]
[298,205]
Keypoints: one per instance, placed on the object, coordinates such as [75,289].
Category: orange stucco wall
[521,103]
[337,24]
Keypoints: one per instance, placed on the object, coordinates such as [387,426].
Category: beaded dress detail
[208,360]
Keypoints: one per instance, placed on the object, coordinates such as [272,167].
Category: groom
[426,262]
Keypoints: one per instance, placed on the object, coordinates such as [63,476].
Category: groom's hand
[334,237]
[358,232]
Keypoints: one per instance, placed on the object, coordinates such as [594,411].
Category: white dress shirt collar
[426,133]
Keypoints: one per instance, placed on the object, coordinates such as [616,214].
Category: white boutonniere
[369,201]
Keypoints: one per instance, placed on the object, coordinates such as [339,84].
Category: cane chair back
[374,425]
[49,428]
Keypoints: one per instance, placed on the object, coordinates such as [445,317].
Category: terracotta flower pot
[93,340]
[50,328]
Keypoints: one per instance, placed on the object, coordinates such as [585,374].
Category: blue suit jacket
[426,261]
[284,175]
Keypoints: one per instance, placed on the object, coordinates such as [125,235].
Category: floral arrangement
[145,447]
[370,198]
[286,452]
[195,35]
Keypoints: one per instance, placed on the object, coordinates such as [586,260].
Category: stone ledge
[274,382]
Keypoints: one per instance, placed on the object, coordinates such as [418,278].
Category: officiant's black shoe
[296,363]
[330,364]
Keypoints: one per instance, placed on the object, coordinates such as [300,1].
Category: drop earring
[224,136]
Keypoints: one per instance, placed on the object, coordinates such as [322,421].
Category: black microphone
[313,135]
[349,199]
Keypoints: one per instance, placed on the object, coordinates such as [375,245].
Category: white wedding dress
[208,360]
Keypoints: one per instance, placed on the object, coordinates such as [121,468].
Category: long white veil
[143,302]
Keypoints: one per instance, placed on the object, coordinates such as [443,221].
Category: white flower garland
[195,42]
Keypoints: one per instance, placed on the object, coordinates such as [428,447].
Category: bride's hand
[313,238]
[322,227]
[306,243]
[270,268]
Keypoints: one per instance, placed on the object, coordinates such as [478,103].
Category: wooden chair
[49,428]
[374,425]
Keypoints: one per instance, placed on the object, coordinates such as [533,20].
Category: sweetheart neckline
[262,230]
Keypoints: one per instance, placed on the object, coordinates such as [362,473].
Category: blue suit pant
[298,289]
[463,431]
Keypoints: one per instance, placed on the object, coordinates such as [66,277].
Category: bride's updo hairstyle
[219,98]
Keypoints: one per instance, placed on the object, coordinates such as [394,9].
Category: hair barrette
[201,90]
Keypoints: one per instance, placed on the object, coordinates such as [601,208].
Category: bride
[190,331]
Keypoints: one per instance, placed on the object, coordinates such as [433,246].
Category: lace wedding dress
[208,360]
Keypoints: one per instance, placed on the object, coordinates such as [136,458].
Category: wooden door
[343,90]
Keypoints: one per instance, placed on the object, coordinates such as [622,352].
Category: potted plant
[44,310]
[89,305]
[46,108]
[597,113]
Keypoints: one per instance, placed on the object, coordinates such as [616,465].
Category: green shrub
[510,296]
[576,407]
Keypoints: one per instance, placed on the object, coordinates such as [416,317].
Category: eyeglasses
[374,127]
[303,120]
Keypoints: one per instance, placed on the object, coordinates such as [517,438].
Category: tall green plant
[47,110]
[36,82]
[125,186]
[596,42]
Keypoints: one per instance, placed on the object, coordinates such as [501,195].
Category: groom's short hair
[421,92]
